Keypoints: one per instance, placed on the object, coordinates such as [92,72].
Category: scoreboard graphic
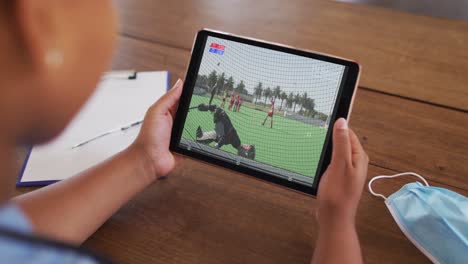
[217,48]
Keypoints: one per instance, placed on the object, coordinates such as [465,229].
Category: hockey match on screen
[262,109]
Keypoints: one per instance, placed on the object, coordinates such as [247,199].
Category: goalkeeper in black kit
[224,132]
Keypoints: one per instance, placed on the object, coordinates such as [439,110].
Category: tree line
[221,83]
[307,104]
[303,102]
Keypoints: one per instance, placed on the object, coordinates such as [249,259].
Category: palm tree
[290,100]
[312,106]
[309,105]
[277,92]
[303,100]
[258,91]
[229,84]
[220,83]
[267,93]
[212,79]
[297,99]
[240,88]
[283,97]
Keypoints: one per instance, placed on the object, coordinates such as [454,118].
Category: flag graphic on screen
[217,48]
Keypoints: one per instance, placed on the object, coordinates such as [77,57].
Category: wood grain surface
[206,214]
[413,56]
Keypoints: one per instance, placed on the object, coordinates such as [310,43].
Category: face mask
[434,219]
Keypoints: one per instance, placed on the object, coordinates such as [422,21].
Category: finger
[169,101]
[356,147]
[341,143]
[359,156]
[173,108]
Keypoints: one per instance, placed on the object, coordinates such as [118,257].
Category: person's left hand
[155,134]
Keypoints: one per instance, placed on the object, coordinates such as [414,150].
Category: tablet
[263,109]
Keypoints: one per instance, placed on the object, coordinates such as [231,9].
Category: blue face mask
[434,219]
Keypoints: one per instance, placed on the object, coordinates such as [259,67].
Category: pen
[131,125]
[107,133]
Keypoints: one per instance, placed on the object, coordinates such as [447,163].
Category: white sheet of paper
[115,104]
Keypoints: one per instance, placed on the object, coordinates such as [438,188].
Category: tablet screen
[261,108]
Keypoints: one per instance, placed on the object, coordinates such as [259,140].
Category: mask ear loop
[369,186]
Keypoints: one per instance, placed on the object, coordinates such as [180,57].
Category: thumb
[341,142]
[170,100]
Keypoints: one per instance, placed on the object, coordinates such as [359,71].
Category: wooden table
[410,113]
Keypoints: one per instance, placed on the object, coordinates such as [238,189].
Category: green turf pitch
[290,144]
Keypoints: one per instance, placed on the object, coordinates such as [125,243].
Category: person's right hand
[342,183]
[155,134]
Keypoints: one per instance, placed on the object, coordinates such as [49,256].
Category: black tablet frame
[342,107]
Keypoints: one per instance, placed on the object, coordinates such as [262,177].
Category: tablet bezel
[342,107]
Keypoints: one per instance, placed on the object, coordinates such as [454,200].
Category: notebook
[119,101]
